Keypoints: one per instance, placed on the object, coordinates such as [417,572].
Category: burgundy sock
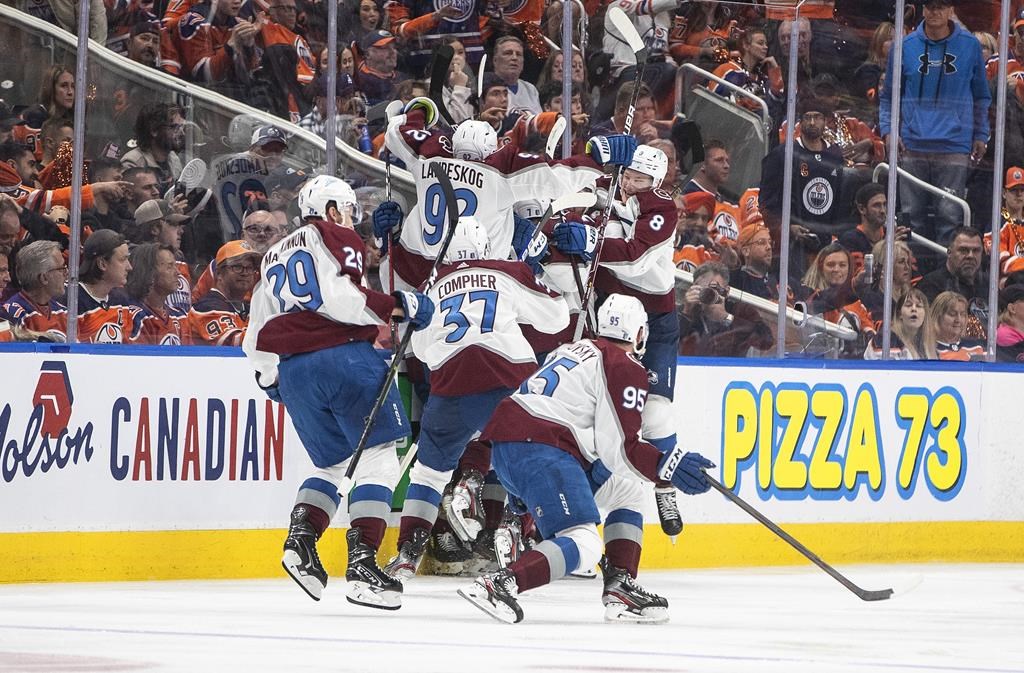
[623,554]
[371,530]
[408,526]
[317,518]
[477,456]
[531,570]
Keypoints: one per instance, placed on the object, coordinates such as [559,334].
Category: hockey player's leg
[368,507]
[418,516]
[464,509]
[484,549]
[315,505]
[658,420]
[624,599]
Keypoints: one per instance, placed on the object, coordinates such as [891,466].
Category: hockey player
[636,260]
[488,182]
[477,356]
[577,415]
[310,337]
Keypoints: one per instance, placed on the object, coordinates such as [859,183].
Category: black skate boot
[300,559]
[495,593]
[626,601]
[448,554]
[464,508]
[367,584]
[403,566]
[668,512]
[483,559]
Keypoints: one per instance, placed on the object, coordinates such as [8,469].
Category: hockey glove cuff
[613,150]
[685,471]
[536,252]
[428,106]
[417,307]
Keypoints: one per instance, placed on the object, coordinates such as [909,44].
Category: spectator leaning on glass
[944,124]
[712,324]
[912,337]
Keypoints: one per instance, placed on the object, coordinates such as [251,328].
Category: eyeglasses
[240,268]
[63,269]
[253,229]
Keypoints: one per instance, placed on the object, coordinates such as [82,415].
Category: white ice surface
[960,618]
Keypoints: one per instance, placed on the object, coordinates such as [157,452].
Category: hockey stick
[439,66]
[554,137]
[863,594]
[636,43]
[393,109]
[588,316]
[567,202]
[453,219]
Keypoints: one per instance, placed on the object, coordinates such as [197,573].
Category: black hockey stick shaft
[863,594]
[453,220]
[613,187]
[589,328]
[442,62]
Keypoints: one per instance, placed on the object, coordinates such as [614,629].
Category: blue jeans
[947,171]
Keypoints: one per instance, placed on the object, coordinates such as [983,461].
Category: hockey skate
[495,593]
[668,512]
[464,507]
[448,555]
[403,566]
[367,584]
[508,541]
[626,601]
[483,559]
[300,559]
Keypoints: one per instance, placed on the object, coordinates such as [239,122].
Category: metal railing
[683,86]
[918,182]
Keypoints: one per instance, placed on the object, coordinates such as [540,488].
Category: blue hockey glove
[575,238]
[272,391]
[417,307]
[536,253]
[387,217]
[522,234]
[685,471]
[613,150]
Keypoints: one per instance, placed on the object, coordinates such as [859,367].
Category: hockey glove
[613,150]
[428,106]
[522,234]
[387,218]
[575,238]
[417,308]
[685,471]
[536,253]
[272,391]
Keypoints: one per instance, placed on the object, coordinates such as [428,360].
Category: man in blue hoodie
[944,125]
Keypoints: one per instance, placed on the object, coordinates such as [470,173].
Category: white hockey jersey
[587,400]
[652,19]
[311,296]
[474,343]
[485,189]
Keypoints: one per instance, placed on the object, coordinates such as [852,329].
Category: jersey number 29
[295,283]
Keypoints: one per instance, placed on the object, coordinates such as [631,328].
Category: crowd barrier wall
[129,463]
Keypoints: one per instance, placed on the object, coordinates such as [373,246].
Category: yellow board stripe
[247,554]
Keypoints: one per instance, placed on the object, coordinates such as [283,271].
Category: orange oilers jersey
[216,321]
[103,322]
[1011,247]
[690,256]
[861,315]
[29,137]
[26,313]
[168,327]
[183,296]
[522,11]
[964,350]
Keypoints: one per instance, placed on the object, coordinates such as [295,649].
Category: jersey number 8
[435,210]
[295,283]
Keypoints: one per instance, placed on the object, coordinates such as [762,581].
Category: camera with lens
[708,296]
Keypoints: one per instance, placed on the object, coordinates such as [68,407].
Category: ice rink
[792,620]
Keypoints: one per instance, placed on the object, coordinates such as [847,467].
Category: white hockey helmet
[531,209]
[470,241]
[623,318]
[650,161]
[474,140]
[322,190]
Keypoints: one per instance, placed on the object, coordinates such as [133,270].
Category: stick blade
[554,137]
[442,61]
[878,595]
[571,201]
[626,29]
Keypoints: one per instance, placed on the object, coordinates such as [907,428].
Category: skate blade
[361,593]
[618,612]
[477,595]
[583,574]
[311,585]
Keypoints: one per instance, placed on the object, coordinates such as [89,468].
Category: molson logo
[46,442]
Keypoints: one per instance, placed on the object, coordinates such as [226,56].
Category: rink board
[150,466]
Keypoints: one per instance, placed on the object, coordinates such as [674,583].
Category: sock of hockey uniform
[623,537]
[493,501]
[370,502]
[477,456]
[321,499]
[579,546]
[422,500]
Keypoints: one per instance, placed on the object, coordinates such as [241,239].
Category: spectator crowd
[164,261]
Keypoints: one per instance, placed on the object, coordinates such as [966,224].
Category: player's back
[474,342]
